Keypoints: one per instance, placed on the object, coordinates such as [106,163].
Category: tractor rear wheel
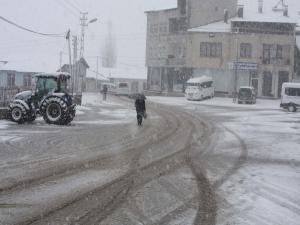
[55,111]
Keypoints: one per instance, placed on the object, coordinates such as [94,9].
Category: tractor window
[40,85]
[51,85]
[64,85]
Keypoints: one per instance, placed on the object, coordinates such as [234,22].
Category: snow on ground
[217,101]
[4,124]
[265,189]
[95,99]
[110,112]
[80,110]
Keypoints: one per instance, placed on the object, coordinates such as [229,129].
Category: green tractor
[48,98]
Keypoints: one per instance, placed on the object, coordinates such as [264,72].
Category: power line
[63,4]
[72,5]
[99,74]
[76,3]
[121,63]
[31,31]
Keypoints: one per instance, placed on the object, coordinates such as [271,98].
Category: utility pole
[68,37]
[83,24]
[236,69]
[97,73]
[75,63]
[60,60]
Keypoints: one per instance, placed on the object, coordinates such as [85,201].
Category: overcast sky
[55,16]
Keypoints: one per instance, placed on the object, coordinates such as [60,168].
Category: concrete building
[167,40]
[237,43]
[255,48]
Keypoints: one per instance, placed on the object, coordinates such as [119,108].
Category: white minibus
[122,89]
[290,96]
[199,88]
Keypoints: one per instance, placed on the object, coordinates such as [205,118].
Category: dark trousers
[139,117]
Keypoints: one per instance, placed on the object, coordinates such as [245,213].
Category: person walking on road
[104,92]
[140,107]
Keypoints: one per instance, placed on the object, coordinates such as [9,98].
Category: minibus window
[292,91]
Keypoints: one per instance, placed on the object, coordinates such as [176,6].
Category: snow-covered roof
[165,5]
[199,80]
[291,85]
[122,73]
[251,14]
[56,74]
[269,15]
[19,67]
[217,27]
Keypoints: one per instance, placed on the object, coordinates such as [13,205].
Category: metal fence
[7,94]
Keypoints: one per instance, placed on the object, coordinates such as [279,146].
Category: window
[51,85]
[279,51]
[246,50]
[210,49]
[177,24]
[292,91]
[276,54]
[27,80]
[267,54]
[11,80]
[46,85]
[154,28]
[207,84]
[123,85]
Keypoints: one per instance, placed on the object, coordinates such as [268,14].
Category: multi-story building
[253,43]
[255,48]
[167,40]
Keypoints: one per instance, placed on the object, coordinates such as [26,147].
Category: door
[170,77]
[255,84]
[267,84]
[134,87]
[283,77]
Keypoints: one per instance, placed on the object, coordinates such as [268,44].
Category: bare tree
[109,50]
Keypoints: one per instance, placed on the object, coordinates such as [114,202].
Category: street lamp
[93,20]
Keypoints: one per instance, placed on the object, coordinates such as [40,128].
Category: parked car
[246,95]
[290,96]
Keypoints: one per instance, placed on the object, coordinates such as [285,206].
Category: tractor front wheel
[18,114]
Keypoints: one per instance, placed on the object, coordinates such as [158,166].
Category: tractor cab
[45,84]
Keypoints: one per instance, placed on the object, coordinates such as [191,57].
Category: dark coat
[105,89]
[140,105]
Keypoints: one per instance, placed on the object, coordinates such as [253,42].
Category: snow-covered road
[210,162]
[263,186]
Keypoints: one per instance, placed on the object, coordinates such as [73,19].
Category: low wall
[3,113]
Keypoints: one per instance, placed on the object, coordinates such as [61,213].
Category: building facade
[167,41]
[12,82]
[245,51]
[237,45]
